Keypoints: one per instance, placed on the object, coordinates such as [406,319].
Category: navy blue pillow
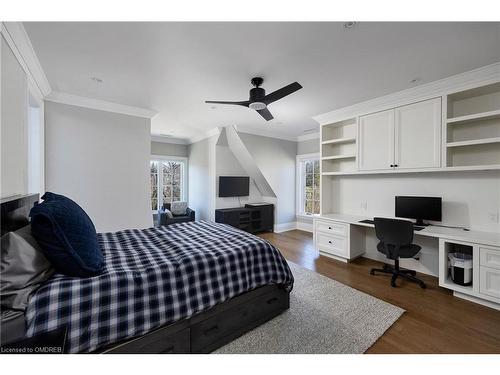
[67,236]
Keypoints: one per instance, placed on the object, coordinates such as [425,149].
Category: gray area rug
[325,316]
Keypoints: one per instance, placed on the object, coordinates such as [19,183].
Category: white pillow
[168,213]
[178,208]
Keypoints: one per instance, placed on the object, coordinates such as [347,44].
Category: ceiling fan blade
[281,93]
[243,103]
[266,114]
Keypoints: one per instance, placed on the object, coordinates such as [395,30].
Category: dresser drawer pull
[211,329]
[329,241]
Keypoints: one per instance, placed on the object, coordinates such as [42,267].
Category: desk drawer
[332,244]
[489,257]
[489,281]
[332,227]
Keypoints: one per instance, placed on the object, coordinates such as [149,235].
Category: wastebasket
[461,268]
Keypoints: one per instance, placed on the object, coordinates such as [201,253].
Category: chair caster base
[409,275]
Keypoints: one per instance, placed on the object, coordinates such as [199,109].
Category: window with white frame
[168,181]
[308,180]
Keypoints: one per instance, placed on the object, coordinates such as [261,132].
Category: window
[168,181]
[308,180]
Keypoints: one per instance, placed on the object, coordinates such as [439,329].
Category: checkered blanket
[153,277]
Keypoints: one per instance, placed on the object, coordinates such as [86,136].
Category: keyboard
[367,221]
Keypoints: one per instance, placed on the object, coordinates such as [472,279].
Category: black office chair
[396,238]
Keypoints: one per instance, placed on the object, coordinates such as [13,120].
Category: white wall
[202,178]
[169,149]
[276,160]
[14,112]
[469,198]
[308,147]
[227,165]
[101,160]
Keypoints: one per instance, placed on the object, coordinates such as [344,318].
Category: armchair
[166,220]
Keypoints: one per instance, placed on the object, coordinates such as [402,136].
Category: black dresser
[253,218]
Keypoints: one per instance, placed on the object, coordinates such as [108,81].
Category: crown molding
[463,81]
[165,139]
[307,137]
[207,134]
[100,105]
[19,42]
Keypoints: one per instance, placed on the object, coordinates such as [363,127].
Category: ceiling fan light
[257,105]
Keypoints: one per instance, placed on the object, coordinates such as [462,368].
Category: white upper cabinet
[376,141]
[407,137]
[417,133]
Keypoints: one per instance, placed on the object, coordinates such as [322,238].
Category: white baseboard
[279,228]
[306,227]
[283,227]
[481,301]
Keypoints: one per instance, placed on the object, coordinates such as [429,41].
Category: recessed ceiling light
[96,79]
[415,80]
[213,107]
[350,24]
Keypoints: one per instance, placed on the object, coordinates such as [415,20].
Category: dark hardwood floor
[434,321]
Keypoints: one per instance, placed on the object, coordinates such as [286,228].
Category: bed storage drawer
[166,340]
[221,328]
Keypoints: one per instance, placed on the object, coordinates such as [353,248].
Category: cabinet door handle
[395,165]
[392,165]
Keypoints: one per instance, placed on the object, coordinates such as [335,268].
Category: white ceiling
[174,67]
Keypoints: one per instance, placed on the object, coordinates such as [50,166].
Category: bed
[185,288]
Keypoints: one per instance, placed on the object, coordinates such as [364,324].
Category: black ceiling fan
[259,100]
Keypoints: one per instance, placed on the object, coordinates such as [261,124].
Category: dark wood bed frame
[201,333]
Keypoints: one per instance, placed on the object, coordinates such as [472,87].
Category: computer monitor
[419,208]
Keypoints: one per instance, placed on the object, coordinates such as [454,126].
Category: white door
[376,141]
[418,135]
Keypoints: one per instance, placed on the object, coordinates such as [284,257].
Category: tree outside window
[311,188]
[167,180]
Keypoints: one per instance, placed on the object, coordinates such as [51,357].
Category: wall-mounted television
[234,186]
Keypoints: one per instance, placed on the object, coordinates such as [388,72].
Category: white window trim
[300,183]
[185,187]
[34,100]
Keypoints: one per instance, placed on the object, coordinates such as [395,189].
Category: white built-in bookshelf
[338,147]
[473,127]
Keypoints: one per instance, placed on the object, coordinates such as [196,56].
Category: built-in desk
[342,237]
